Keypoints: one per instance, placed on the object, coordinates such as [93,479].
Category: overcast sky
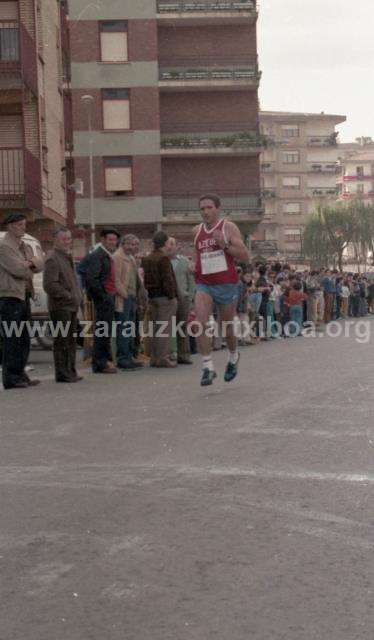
[318,55]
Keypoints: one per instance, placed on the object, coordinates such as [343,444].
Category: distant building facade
[357,175]
[298,171]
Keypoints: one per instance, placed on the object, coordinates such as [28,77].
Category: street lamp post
[88,101]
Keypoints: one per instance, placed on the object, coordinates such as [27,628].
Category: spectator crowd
[129,291]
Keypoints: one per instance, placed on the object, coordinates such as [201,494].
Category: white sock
[233,356]
[208,363]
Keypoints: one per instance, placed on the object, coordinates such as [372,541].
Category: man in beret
[101,288]
[17,266]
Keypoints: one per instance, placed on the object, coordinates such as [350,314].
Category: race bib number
[213,262]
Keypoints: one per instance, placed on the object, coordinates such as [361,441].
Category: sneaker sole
[233,378]
[208,383]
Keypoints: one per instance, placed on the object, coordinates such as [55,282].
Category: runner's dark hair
[213,198]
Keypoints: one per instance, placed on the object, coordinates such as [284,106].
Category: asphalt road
[142,507]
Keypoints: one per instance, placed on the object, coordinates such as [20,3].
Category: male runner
[218,244]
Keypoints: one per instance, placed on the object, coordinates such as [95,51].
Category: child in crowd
[294,301]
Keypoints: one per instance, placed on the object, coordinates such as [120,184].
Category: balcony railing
[269,193]
[325,168]
[212,127]
[265,247]
[323,141]
[195,141]
[322,192]
[209,70]
[359,177]
[359,196]
[209,6]
[185,207]
[12,183]
[9,45]
[267,167]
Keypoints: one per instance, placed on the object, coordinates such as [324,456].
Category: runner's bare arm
[236,247]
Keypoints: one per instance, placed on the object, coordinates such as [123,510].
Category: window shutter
[118,178]
[8,10]
[11,131]
[114,46]
[116,114]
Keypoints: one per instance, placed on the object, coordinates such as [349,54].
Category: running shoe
[231,370]
[207,377]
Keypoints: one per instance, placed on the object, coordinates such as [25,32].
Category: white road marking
[332,536]
[280,474]
[312,433]
[118,475]
[289,508]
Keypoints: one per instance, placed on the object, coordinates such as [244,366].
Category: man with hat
[17,266]
[101,288]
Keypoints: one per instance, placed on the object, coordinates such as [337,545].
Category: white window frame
[290,131]
[291,157]
[292,213]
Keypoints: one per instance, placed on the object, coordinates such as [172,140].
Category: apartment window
[266,166]
[39,30]
[114,42]
[291,157]
[45,158]
[292,207]
[360,188]
[116,108]
[11,130]
[9,41]
[360,172]
[290,131]
[118,176]
[270,234]
[292,235]
[291,182]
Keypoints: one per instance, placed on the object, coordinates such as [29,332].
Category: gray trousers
[161,311]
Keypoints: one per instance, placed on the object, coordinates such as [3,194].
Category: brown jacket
[15,276]
[127,278]
[60,282]
[159,278]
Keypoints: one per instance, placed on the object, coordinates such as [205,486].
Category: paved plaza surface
[143,507]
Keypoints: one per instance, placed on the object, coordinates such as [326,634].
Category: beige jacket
[15,276]
[126,278]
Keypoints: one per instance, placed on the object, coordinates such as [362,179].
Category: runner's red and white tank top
[213,264]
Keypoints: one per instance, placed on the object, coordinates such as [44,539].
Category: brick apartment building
[173,112]
[298,171]
[34,103]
